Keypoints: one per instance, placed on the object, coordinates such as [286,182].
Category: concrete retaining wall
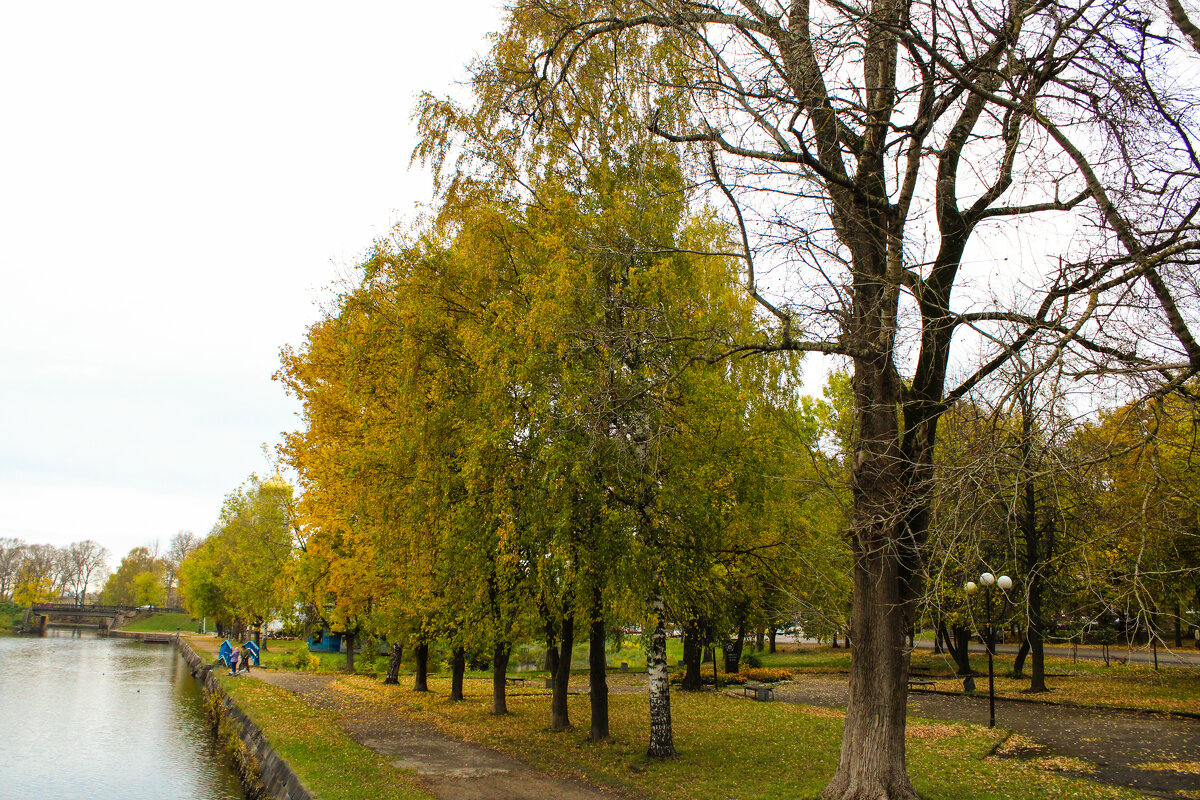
[275,777]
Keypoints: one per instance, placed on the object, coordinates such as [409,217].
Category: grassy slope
[327,761]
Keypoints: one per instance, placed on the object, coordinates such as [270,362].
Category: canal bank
[263,772]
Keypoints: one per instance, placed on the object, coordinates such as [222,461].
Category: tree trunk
[551,665]
[420,682]
[871,765]
[771,635]
[1035,559]
[598,669]
[1037,680]
[662,738]
[499,673]
[692,653]
[1019,661]
[559,714]
[458,665]
[759,637]
[349,638]
[393,670]
[1178,626]
[958,642]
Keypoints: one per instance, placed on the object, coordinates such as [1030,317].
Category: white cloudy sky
[179,185]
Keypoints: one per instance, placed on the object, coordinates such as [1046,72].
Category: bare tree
[928,189]
[12,555]
[182,544]
[41,567]
[85,561]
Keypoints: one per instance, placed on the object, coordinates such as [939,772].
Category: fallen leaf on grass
[932,730]
[1186,767]
[1062,764]
[1016,743]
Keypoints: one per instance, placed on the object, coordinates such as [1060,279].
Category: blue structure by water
[249,649]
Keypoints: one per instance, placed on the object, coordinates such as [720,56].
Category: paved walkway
[1116,742]
[446,768]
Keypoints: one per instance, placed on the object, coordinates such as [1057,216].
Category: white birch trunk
[662,739]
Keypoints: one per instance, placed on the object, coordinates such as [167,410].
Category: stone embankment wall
[264,773]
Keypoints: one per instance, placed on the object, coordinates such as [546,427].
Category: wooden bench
[514,681]
[920,685]
[758,691]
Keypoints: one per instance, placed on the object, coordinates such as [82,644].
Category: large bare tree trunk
[559,715]
[662,737]
[598,672]
[872,764]
[888,518]
[1035,559]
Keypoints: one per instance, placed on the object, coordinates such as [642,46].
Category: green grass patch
[729,746]
[10,616]
[162,623]
[327,760]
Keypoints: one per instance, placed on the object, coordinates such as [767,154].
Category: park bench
[919,684]
[758,691]
[514,681]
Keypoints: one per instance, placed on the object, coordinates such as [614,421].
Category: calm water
[109,719]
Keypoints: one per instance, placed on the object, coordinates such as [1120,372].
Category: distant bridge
[43,615]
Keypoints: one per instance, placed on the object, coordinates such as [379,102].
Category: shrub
[768,675]
[275,662]
[751,659]
[706,678]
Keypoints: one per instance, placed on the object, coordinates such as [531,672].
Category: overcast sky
[179,186]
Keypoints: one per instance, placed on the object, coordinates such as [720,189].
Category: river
[110,719]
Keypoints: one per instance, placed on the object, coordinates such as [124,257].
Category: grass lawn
[729,746]
[162,622]
[328,762]
[10,616]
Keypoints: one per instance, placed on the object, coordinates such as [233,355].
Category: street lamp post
[988,580]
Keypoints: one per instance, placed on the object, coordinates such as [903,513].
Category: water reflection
[104,718]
